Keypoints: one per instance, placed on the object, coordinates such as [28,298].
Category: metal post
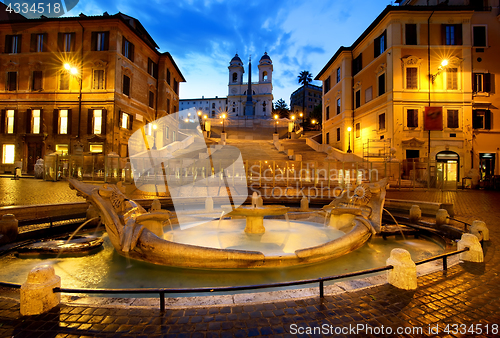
[445,263]
[321,292]
[162,301]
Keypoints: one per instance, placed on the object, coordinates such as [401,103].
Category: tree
[304,78]
[281,108]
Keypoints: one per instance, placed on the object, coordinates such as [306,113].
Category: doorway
[448,170]
[34,153]
[486,165]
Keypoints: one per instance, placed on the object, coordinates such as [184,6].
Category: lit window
[97,130]
[96,148]
[8,154]
[35,121]
[10,122]
[63,121]
[63,148]
[125,118]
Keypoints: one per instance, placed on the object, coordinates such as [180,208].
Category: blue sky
[203,35]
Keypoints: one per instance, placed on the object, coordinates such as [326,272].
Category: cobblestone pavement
[464,301]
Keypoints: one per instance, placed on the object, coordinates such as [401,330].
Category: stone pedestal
[276,137]
[255,225]
[304,204]
[37,294]
[479,228]
[415,213]
[442,217]
[475,253]
[8,228]
[404,273]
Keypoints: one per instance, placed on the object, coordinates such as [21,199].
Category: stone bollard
[475,253]
[8,228]
[209,204]
[415,213]
[480,227]
[37,294]
[404,273]
[442,217]
[156,205]
[304,204]
[260,202]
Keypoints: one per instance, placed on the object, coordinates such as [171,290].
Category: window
[10,121]
[452,34]
[357,64]
[152,68]
[63,124]
[357,98]
[96,148]
[411,34]
[126,85]
[381,84]
[151,99]
[128,49]
[64,81]
[479,36]
[327,113]
[381,122]
[98,79]
[176,87]
[368,94]
[11,81]
[96,123]
[379,44]
[126,121]
[338,106]
[327,85]
[63,148]
[452,118]
[264,76]
[358,130]
[412,118]
[13,44]
[38,43]
[338,134]
[411,78]
[100,41]
[481,82]
[338,74]
[35,121]
[481,119]
[451,78]
[8,154]
[168,77]
[36,83]
[66,42]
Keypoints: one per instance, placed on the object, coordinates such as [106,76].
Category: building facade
[250,99]
[419,85]
[79,85]
[211,107]
[312,99]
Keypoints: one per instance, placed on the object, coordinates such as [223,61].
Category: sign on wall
[433,118]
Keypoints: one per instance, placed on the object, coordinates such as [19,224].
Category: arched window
[264,76]
[235,77]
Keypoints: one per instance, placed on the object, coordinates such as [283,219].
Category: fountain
[138,234]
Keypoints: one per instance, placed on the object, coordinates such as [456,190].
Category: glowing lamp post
[74,72]
[349,139]
[204,121]
[154,136]
[276,123]
[223,117]
[302,117]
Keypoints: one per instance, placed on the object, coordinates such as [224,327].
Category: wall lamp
[441,67]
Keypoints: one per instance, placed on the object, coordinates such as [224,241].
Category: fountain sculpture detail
[138,234]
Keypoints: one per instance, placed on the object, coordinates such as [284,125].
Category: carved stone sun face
[362,194]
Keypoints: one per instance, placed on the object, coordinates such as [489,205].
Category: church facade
[250,99]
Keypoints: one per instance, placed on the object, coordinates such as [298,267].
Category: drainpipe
[429,79]
[81,85]
[353,99]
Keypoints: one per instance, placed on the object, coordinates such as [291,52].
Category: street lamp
[199,116]
[204,121]
[74,71]
[349,135]
[154,136]
[302,117]
[313,122]
[223,117]
[293,120]
[276,123]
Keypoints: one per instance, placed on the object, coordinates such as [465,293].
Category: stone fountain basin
[255,216]
[151,248]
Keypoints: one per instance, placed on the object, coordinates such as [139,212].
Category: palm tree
[304,78]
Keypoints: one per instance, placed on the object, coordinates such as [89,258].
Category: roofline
[175,65]
[381,16]
[205,98]
[84,17]
[320,88]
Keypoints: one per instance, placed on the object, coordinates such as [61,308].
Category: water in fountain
[399,227]
[74,233]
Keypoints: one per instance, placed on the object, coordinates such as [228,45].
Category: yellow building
[418,86]
[79,85]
